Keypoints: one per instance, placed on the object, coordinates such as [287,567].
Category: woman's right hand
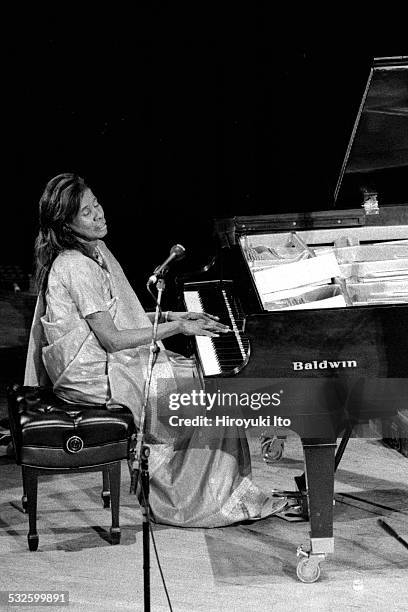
[202,327]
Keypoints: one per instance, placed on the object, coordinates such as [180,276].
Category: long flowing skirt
[203,477]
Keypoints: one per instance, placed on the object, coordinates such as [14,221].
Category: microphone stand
[139,453]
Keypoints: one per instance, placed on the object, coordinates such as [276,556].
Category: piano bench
[51,436]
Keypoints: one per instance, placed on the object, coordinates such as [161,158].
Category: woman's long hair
[59,204]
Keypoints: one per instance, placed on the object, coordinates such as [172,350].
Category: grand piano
[318,302]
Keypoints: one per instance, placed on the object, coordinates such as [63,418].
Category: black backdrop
[174,118]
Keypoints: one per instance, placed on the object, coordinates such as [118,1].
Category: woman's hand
[202,326]
[191,316]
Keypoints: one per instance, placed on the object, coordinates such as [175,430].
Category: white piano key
[193,301]
[208,356]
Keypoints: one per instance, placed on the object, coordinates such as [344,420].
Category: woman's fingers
[222,327]
[204,327]
[203,315]
[212,329]
[210,316]
[217,327]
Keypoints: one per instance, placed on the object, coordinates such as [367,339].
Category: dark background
[176,116]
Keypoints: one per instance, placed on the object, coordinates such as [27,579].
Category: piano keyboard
[227,354]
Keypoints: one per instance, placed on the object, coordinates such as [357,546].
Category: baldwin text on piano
[227,421]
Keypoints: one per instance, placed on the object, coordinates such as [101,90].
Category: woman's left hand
[191,316]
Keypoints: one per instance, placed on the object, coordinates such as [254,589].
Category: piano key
[223,354]
[193,302]
[208,356]
[234,326]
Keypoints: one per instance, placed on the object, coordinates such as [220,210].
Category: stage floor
[239,568]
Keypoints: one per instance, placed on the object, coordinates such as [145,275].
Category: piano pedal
[272,448]
[297,508]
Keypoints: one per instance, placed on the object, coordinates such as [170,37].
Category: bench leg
[105,488]
[24,496]
[114,479]
[30,480]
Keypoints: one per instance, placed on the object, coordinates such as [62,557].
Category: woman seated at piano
[90,339]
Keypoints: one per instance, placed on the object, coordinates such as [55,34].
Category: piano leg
[348,430]
[319,464]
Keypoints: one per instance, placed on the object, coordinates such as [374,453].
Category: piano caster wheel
[115,535]
[272,449]
[105,499]
[308,566]
[24,503]
[32,541]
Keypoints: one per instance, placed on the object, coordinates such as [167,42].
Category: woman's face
[89,223]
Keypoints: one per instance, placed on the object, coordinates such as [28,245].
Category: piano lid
[376,160]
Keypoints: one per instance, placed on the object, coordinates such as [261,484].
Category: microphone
[176,252]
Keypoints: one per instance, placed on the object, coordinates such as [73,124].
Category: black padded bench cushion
[50,433]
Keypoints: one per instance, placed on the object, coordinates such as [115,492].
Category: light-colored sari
[198,479]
